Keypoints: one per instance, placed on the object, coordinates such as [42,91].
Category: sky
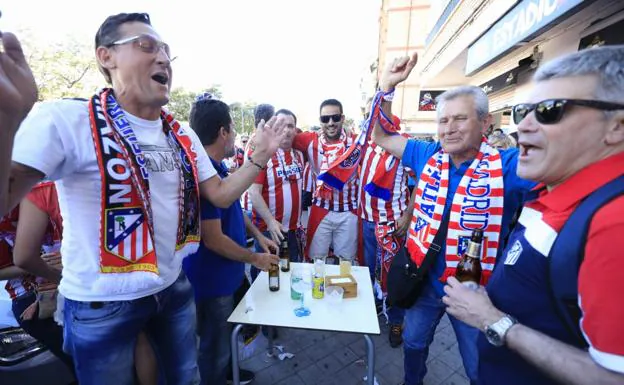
[290,53]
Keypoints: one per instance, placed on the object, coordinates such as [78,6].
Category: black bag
[406,280]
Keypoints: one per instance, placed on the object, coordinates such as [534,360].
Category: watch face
[493,337]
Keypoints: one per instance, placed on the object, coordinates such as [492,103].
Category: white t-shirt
[56,139]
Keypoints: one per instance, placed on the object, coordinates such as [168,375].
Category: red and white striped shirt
[321,155]
[282,183]
[374,209]
[309,179]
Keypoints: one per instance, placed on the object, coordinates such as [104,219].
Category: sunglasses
[335,117]
[551,111]
[147,44]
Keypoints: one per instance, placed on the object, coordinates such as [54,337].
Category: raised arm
[223,192]
[396,72]
[18,93]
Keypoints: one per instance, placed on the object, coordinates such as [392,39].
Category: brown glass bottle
[469,268]
[284,254]
[274,281]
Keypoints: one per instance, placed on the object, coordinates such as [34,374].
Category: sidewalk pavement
[339,358]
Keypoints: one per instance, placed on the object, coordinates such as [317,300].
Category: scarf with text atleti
[477,204]
[128,260]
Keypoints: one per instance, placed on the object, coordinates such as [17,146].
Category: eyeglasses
[551,111]
[147,44]
[335,117]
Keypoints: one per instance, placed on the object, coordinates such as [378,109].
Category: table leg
[271,346]
[234,345]
[370,352]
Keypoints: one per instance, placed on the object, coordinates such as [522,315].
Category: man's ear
[486,124]
[615,132]
[223,132]
[105,58]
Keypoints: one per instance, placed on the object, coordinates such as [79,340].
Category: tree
[181,100]
[243,116]
[62,70]
[180,103]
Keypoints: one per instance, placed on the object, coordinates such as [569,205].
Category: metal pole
[234,345]
[370,353]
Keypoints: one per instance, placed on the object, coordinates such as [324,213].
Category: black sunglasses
[551,111]
[335,117]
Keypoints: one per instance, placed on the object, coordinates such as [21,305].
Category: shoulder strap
[567,253]
[434,247]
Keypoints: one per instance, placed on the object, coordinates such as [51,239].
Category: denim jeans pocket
[94,312]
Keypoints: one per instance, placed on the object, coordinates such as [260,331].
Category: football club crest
[127,233]
[420,223]
[513,254]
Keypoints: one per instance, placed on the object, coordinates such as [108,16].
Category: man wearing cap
[129,178]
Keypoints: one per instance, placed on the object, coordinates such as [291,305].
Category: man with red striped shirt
[276,193]
[384,222]
[333,216]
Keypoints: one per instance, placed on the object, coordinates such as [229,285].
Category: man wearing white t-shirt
[129,179]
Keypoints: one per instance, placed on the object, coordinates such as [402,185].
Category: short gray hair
[606,63]
[482,105]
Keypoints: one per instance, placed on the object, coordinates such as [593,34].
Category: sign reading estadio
[524,21]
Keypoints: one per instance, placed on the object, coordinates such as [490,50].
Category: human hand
[267,139]
[397,71]
[18,90]
[263,261]
[472,307]
[276,229]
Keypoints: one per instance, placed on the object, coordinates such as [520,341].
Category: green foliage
[181,100]
[243,117]
[64,69]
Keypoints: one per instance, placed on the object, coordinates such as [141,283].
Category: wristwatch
[495,333]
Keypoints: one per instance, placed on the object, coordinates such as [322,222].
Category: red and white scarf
[477,204]
[330,151]
[128,260]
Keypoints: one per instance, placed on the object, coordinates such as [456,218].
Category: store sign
[607,36]
[527,19]
[427,100]
[501,82]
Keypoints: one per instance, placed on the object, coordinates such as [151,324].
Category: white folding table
[260,306]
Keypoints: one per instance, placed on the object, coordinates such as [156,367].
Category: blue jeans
[214,338]
[101,336]
[421,321]
[371,254]
[293,249]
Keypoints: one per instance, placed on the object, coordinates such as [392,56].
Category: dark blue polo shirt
[211,274]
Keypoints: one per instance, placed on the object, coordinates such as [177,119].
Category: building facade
[493,44]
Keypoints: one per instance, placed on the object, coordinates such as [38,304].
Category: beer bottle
[274,281]
[469,268]
[284,254]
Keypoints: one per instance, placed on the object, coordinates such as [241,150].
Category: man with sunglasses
[463,184]
[333,220]
[571,137]
[129,178]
